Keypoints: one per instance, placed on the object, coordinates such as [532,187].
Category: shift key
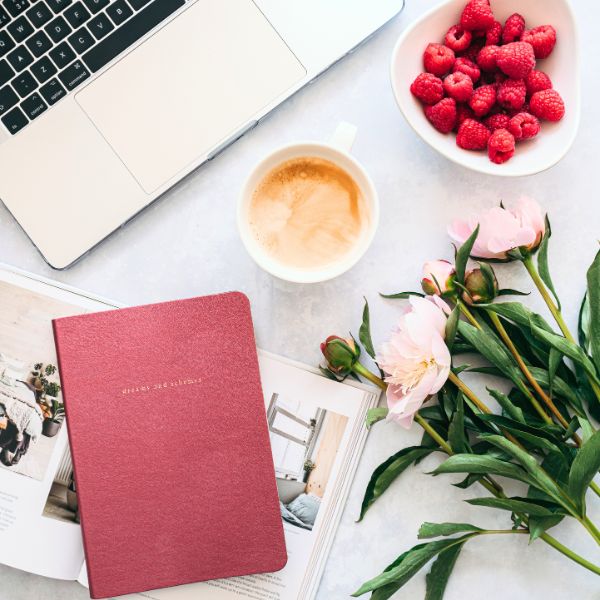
[73,75]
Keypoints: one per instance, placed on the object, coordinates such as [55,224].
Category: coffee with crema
[308,213]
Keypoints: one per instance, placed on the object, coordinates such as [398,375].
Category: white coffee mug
[337,150]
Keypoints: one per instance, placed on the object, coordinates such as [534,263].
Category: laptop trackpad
[190,87]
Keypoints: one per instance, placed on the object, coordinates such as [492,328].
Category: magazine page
[39,530]
[314,427]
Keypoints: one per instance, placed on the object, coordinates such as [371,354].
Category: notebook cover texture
[170,445]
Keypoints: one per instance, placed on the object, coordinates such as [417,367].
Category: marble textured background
[187,244]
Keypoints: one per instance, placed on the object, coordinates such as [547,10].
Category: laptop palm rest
[189,88]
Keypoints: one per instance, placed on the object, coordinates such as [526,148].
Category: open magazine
[316,430]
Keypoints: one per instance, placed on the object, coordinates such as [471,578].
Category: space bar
[131,31]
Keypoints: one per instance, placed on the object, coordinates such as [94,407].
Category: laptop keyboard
[50,47]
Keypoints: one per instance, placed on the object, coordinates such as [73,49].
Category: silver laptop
[106,104]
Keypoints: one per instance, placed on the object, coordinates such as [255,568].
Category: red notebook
[170,445]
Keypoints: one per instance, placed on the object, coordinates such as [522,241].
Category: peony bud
[341,354]
[482,286]
[438,278]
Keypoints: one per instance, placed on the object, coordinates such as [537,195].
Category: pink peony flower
[503,229]
[416,360]
[438,278]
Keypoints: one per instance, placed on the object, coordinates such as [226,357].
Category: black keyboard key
[7,99]
[20,29]
[74,75]
[15,120]
[4,18]
[137,4]
[39,43]
[20,58]
[16,7]
[58,29]
[77,15]
[6,43]
[131,31]
[34,106]
[96,5]
[43,69]
[81,40]
[53,92]
[39,14]
[62,55]
[100,26]
[119,11]
[58,5]
[6,72]
[24,83]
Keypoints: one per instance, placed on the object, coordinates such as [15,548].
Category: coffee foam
[308,213]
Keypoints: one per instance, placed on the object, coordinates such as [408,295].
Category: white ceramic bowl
[562,66]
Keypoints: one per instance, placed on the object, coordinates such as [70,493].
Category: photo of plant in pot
[48,395]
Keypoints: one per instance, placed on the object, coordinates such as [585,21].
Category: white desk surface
[187,244]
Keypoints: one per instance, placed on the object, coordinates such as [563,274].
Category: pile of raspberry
[482,82]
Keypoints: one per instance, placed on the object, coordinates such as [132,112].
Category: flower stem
[360,369]
[535,276]
[569,553]
[592,529]
[530,378]
[468,392]
[434,434]
[467,313]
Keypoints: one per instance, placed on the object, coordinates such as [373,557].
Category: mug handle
[344,136]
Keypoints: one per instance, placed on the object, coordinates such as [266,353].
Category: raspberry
[472,135]
[468,67]
[525,108]
[458,39]
[497,121]
[459,86]
[427,88]
[494,34]
[524,126]
[463,112]
[537,81]
[501,146]
[513,28]
[438,59]
[483,99]
[442,115]
[516,59]
[542,38]
[547,105]
[473,50]
[477,15]
[511,94]
[486,59]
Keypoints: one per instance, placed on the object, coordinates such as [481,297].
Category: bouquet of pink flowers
[542,433]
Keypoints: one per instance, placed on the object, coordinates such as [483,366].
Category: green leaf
[437,579]
[468,481]
[518,313]
[583,470]
[538,476]
[516,505]
[408,564]
[401,295]
[564,346]
[560,388]
[462,256]
[593,283]
[543,268]
[583,324]
[374,415]
[451,327]
[388,471]
[586,428]
[456,431]
[512,410]
[483,465]
[511,292]
[364,333]
[431,530]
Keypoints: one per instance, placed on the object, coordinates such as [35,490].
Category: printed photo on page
[38,507]
[315,428]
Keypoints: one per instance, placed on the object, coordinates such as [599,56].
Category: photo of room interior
[31,409]
[62,499]
[305,440]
